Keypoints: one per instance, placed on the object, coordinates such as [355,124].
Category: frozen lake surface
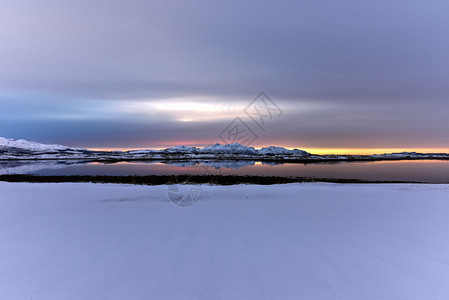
[292,241]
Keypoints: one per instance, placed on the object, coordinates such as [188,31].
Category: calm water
[419,170]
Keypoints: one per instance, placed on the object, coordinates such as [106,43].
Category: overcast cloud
[346,73]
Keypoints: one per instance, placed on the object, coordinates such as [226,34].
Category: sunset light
[188,150]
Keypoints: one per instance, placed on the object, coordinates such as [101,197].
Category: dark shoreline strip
[194,179]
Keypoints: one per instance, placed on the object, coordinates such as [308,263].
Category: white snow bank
[295,241]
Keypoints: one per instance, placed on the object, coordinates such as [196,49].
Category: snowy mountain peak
[31,146]
[234,148]
[182,149]
[273,150]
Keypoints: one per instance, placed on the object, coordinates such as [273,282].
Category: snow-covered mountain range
[24,145]
[22,149]
[16,149]
[8,145]
[227,149]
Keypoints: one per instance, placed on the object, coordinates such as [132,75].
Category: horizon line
[312,150]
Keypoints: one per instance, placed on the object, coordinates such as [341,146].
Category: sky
[151,74]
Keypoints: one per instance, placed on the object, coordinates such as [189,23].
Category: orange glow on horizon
[321,151]
[368,151]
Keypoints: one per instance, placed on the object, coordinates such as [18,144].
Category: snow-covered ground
[293,241]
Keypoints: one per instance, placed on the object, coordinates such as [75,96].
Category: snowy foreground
[293,241]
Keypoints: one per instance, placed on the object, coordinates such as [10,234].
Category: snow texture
[294,241]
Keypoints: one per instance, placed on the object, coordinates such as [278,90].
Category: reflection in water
[31,167]
[415,170]
[227,164]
